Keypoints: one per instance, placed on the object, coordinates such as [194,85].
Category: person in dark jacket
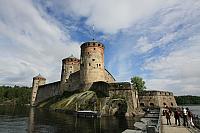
[177,116]
[167,114]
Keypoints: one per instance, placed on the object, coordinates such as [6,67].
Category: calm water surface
[195,109]
[24,119]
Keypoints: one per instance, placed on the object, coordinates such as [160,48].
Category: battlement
[120,86]
[92,44]
[156,93]
[70,60]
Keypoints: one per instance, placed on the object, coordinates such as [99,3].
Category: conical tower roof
[39,76]
[71,58]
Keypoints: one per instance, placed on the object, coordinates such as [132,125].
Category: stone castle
[88,73]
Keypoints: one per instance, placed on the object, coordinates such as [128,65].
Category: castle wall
[116,93]
[124,89]
[92,62]
[108,77]
[73,83]
[47,91]
[157,99]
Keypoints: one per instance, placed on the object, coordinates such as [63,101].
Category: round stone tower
[92,62]
[69,66]
[37,81]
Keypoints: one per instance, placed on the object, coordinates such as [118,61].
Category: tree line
[15,95]
[183,100]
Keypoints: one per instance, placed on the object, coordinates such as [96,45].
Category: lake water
[24,119]
[195,109]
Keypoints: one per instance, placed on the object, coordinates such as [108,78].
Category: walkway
[173,128]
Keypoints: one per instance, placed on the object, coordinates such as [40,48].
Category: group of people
[178,113]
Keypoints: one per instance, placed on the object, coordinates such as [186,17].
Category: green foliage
[138,83]
[15,95]
[182,100]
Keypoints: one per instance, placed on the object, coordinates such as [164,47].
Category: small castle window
[99,45]
[99,64]
[88,52]
[70,66]
[70,72]
[93,44]
[151,104]
[94,48]
[93,59]
[142,104]
[89,64]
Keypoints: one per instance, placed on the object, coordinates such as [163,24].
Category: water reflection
[53,122]
[40,121]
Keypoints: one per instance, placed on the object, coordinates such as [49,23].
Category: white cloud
[32,40]
[179,71]
[143,45]
[30,44]
[110,16]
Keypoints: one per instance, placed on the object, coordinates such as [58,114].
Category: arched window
[142,104]
[172,104]
[151,104]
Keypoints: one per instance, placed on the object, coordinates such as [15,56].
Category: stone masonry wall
[108,77]
[47,91]
[92,62]
[157,99]
[73,83]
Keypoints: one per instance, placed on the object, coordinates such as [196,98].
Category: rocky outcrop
[88,100]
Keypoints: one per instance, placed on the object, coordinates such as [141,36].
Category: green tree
[138,83]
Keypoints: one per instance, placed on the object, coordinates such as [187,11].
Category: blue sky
[158,40]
